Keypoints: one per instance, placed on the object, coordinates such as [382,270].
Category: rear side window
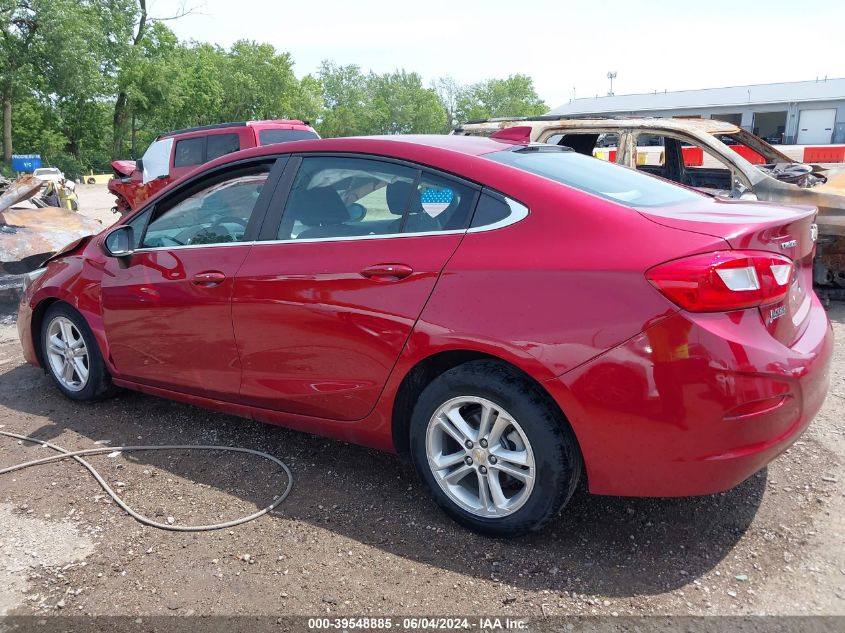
[189,152]
[335,197]
[439,204]
[268,137]
[495,211]
[221,144]
[490,210]
[612,182]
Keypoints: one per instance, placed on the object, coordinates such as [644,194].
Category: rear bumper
[695,404]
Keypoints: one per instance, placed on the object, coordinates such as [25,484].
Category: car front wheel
[71,356]
[493,450]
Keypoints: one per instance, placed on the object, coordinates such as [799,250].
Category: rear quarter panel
[559,287]
[553,291]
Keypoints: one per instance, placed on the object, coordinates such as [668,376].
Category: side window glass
[138,223]
[189,152]
[345,197]
[439,204]
[217,214]
[490,209]
[221,144]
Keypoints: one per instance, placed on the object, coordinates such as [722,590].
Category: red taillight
[724,280]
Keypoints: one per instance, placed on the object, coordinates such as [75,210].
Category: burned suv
[713,156]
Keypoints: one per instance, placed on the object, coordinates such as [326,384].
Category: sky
[567,47]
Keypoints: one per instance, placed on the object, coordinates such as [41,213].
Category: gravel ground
[359,536]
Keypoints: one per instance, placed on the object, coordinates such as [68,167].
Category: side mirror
[738,191]
[139,165]
[120,242]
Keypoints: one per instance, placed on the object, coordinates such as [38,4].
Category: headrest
[319,206]
[397,196]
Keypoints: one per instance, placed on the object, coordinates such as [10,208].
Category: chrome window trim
[518,213]
[150,249]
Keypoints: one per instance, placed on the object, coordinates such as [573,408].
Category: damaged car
[29,235]
[715,157]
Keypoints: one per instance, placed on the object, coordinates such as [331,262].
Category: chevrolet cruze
[510,316]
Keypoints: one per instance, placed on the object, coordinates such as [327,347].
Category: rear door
[167,310]
[324,303]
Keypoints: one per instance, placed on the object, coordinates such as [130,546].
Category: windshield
[598,177]
[757,145]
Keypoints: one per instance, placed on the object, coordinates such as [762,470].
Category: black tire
[91,181]
[557,457]
[99,385]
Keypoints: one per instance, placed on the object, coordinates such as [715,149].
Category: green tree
[449,91]
[19,25]
[399,104]
[345,101]
[514,96]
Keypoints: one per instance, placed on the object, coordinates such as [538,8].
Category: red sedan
[511,316]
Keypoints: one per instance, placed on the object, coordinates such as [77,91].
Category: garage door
[815,127]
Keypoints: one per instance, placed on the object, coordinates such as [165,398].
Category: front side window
[216,214]
[189,152]
[138,223]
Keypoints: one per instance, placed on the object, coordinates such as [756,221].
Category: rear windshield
[268,137]
[608,180]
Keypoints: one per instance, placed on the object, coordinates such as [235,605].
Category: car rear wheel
[493,450]
[71,356]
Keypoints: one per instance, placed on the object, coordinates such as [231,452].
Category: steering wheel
[208,235]
[227,219]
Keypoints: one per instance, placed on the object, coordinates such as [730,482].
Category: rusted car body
[30,235]
[746,167]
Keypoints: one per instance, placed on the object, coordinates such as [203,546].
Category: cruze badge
[814,232]
[789,244]
[776,313]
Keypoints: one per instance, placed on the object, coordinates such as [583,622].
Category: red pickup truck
[174,154]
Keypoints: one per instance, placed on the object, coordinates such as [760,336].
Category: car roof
[690,125]
[408,146]
[281,123]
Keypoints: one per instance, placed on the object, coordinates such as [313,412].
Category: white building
[798,112]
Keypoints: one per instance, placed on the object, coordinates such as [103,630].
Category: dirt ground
[359,536]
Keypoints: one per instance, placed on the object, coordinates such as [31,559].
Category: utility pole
[611,74]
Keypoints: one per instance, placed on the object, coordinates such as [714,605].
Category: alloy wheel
[67,354]
[480,456]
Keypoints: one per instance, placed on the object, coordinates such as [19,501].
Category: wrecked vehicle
[30,235]
[174,154]
[710,155]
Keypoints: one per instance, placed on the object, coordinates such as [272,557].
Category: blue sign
[26,162]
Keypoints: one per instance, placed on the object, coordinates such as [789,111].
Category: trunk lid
[785,230]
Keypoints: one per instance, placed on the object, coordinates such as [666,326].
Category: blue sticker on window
[435,201]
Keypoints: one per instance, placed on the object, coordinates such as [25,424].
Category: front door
[322,312]
[167,311]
